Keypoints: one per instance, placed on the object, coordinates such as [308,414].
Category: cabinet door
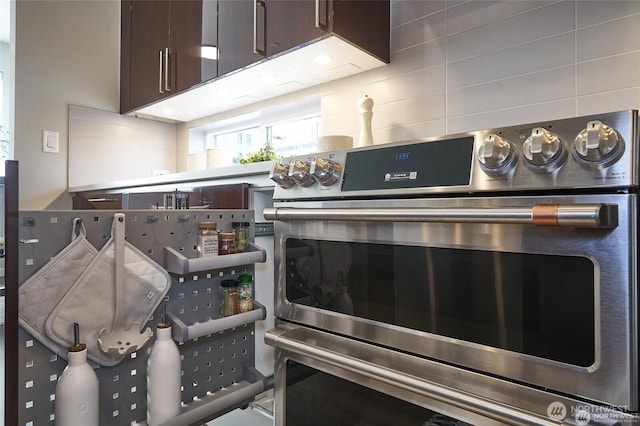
[365,23]
[149,38]
[291,23]
[240,33]
[185,44]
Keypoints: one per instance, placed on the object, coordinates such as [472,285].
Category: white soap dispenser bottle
[77,397]
[163,377]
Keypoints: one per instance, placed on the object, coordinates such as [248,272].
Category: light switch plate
[50,141]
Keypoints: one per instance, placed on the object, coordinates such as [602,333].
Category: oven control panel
[598,151]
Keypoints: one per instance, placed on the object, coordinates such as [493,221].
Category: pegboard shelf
[226,399]
[183,332]
[217,369]
[176,263]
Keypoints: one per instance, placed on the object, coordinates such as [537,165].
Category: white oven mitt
[91,300]
[39,295]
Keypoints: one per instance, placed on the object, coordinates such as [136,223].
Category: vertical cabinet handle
[323,25]
[160,74]
[263,5]
[167,79]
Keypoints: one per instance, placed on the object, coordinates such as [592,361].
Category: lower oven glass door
[544,305]
[325,379]
[316,398]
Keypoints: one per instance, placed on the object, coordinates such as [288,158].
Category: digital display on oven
[420,165]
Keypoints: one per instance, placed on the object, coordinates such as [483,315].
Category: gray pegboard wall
[218,371]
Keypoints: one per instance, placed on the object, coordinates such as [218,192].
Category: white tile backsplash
[610,73]
[419,31]
[597,12]
[474,14]
[611,38]
[403,12]
[608,101]
[548,21]
[527,58]
[539,87]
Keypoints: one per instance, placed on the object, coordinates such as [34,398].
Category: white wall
[67,52]
[468,65]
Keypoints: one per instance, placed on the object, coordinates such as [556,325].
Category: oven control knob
[325,172]
[597,146]
[280,175]
[543,151]
[497,156]
[299,172]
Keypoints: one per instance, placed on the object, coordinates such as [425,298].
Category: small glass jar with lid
[241,231]
[229,295]
[207,239]
[226,243]
[245,292]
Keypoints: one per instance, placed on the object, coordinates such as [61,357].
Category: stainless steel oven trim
[469,396]
[610,380]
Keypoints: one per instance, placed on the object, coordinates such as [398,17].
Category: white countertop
[256,174]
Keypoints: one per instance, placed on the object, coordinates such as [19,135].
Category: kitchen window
[290,130]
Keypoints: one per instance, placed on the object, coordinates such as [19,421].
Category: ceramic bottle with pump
[163,377]
[77,396]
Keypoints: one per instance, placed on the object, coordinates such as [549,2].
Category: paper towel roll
[334,142]
[219,157]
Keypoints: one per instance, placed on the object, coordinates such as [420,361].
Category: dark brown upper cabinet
[363,23]
[240,34]
[164,42]
[161,49]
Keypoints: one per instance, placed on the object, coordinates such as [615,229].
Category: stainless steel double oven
[482,278]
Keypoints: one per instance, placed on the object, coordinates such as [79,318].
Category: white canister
[77,401]
[219,157]
[334,143]
[164,378]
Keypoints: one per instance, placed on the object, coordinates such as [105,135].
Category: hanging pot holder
[91,300]
[40,294]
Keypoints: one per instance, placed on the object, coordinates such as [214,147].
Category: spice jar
[229,292]
[226,243]
[241,231]
[207,239]
[245,292]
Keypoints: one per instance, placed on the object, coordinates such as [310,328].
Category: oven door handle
[278,338]
[565,215]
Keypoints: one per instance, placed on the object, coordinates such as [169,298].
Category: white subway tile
[420,31]
[544,86]
[611,38]
[474,14]
[409,132]
[419,83]
[406,11]
[611,73]
[597,12]
[526,58]
[557,18]
[521,114]
[409,111]
[617,100]
[417,57]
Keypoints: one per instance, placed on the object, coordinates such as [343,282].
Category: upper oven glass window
[534,304]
